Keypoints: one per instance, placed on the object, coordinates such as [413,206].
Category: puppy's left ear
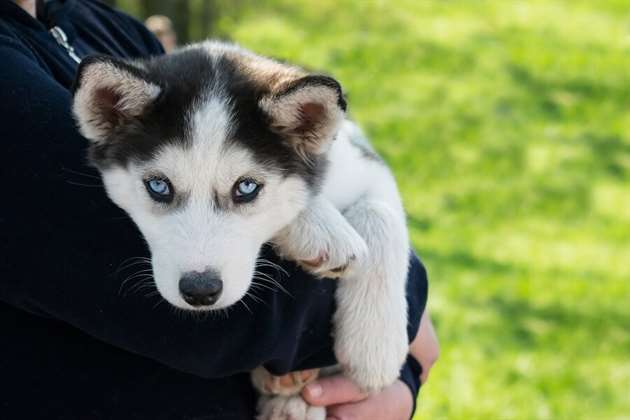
[110,93]
[307,112]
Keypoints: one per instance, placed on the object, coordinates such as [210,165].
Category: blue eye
[247,187]
[159,189]
[246,190]
[159,186]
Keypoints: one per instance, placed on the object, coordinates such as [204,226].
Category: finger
[393,403]
[332,390]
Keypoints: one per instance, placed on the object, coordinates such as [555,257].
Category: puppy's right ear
[109,93]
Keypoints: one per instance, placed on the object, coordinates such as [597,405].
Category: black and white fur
[212,114]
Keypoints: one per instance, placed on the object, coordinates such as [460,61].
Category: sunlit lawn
[508,126]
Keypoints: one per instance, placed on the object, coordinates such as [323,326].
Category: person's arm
[425,348]
[344,400]
[63,241]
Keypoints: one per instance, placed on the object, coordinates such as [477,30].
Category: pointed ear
[109,93]
[307,112]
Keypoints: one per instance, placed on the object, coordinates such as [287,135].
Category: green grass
[508,126]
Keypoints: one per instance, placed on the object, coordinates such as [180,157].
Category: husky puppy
[214,151]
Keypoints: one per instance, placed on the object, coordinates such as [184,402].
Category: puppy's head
[211,150]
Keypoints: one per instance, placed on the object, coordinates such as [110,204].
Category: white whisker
[247,307]
[264,262]
[274,283]
[72,171]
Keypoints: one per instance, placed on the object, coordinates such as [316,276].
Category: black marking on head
[190,77]
[252,128]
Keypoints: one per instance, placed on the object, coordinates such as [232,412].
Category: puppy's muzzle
[201,289]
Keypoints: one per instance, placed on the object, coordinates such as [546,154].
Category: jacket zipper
[62,39]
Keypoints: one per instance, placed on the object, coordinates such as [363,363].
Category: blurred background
[507,124]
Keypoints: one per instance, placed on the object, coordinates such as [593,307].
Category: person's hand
[345,401]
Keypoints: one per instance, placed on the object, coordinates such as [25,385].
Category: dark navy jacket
[77,344]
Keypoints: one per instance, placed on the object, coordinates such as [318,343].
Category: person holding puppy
[77,345]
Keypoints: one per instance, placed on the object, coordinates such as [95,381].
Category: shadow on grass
[585,89]
[532,320]
[581,317]
[609,151]
[469,262]
[422,224]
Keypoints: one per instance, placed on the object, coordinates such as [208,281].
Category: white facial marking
[201,233]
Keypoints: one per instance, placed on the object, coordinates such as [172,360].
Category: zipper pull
[62,39]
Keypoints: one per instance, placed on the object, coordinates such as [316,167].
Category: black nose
[201,289]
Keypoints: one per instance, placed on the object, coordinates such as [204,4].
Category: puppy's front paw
[330,250]
[338,252]
[288,408]
[323,244]
[371,355]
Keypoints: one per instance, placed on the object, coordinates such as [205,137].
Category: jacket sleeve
[65,253]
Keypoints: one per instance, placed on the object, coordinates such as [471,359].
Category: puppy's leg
[371,320]
[321,240]
[280,396]
[288,408]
